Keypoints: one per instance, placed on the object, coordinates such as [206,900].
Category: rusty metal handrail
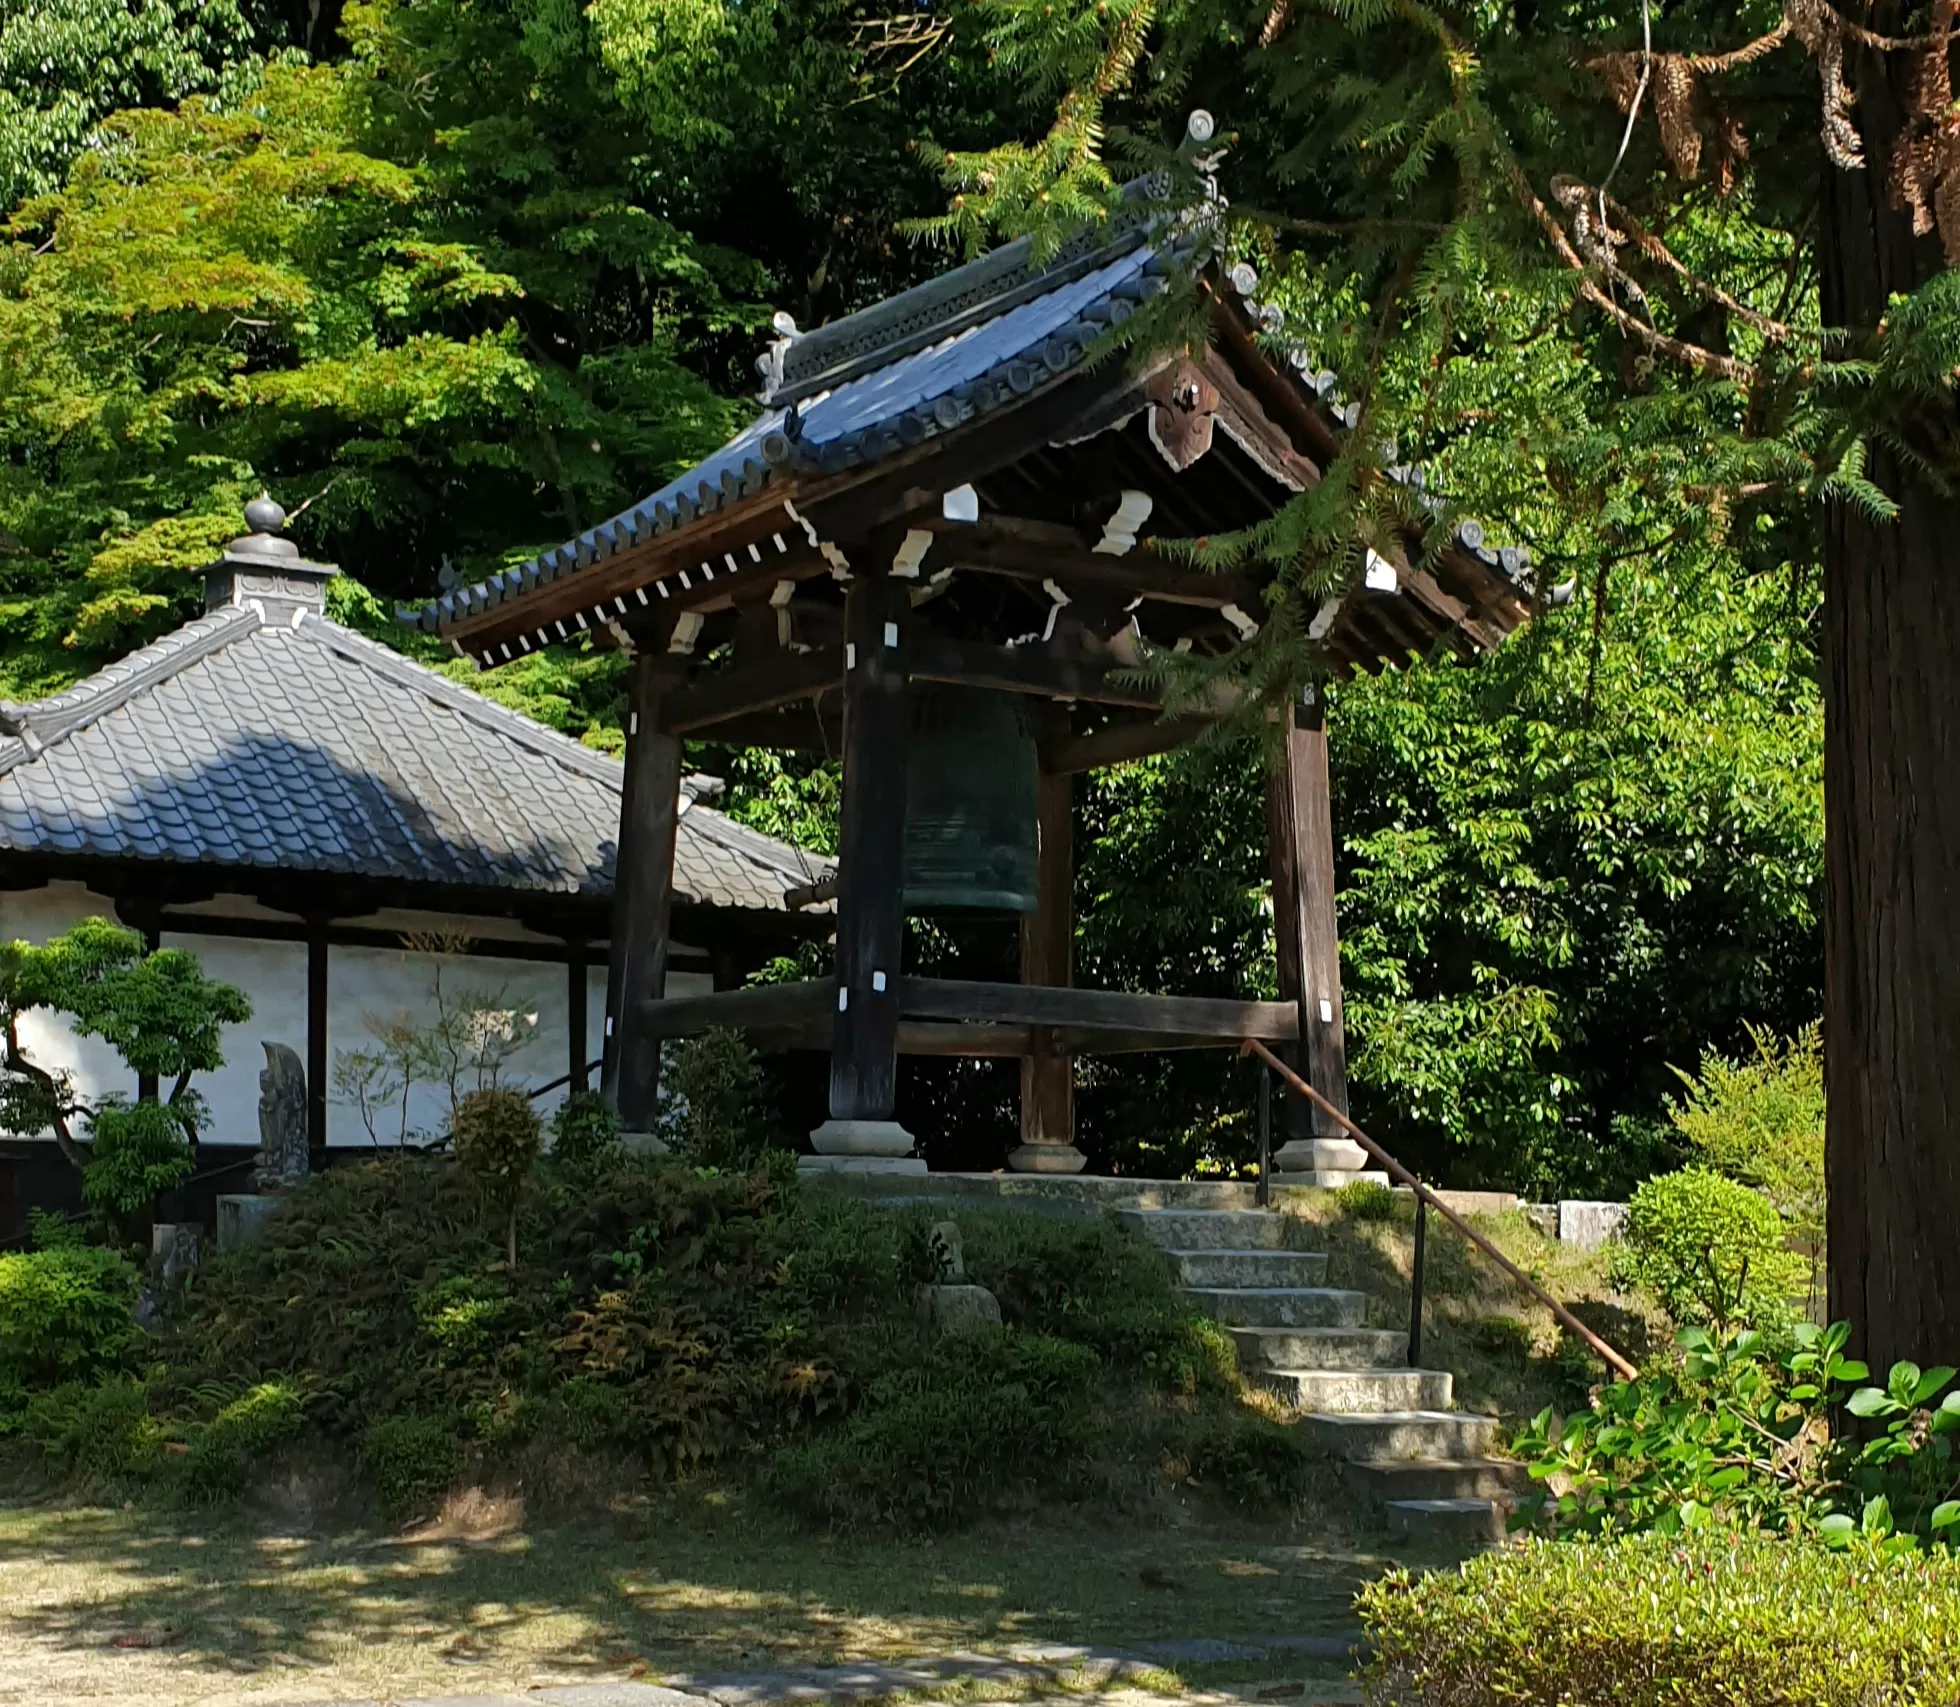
[1615,1361]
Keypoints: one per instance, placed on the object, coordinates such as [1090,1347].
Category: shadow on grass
[658,1585]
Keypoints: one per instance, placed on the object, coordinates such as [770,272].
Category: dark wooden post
[1048,957]
[870,874]
[575,1020]
[643,888]
[318,953]
[1301,827]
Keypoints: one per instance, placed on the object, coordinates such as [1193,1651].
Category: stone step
[1280,1306]
[1438,1479]
[1320,1348]
[1346,1391]
[1209,1229]
[1383,1435]
[1212,1270]
[1478,1522]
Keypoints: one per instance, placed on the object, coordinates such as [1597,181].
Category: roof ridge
[466,701]
[39,723]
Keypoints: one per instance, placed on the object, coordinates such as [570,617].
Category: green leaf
[1870,1402]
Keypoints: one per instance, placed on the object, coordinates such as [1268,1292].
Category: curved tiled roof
[302,746]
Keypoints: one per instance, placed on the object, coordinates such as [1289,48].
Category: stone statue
[953,1304]
[283,1158]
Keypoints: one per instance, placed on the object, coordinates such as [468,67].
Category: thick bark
[1892,828]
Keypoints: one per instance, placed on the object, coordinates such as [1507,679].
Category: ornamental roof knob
[262,515]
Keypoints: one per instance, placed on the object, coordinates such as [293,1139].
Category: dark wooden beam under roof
[1022,669]
[1028,550]
[730,694]
[1119,743]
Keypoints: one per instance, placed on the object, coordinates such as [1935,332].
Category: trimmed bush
[220,1452]
[1711,1250]
[99,1429]
[413,1462]
[64,1316]
[1713,1620]
[498,1136]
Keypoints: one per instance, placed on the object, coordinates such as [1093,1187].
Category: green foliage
[497,1137]
[66,65]
[707,1322]
[1761,1121]
[584,1131]
[412,1460]
[1366,1200]
[1711,1250]
[981,1418]
[138,1149]
[219,1453]
[99,1430]
[157,1011]
[720,1111]
[64,1317]
[1703,1621]
[1736,1439]
[1257,1464]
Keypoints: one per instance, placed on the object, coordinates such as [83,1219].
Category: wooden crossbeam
[760,1007]
[1021,669]
[1112,1010]
[752,688]
[1025,550]
[1119,743]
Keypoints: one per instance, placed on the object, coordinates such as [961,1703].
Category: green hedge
[1709,1621]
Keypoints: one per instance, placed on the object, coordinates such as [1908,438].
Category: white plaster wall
[35,915]
[363,984]
[273,977]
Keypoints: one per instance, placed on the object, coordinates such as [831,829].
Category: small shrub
[1366,1200]
[64,1316]
[136,1150]
[1503,1336]
[221,1452]
[1252,1462]
[1711,1250]
[722,1117]
[412,1460]
[584,1131]
[953,1437]
[497,1136]
[595,1414]
[1709,1620]
[97,1429]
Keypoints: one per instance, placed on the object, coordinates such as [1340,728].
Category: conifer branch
[1677,349]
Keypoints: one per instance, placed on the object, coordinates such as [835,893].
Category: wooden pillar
[575,1017]
[1301,828]
[317,952]
[643,888]
[870,875]
[1048,957]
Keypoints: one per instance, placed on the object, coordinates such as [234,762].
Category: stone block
[957,1309]
[1589,1225]
[644,1144]
[242,1217]
[1543,1216]
[861,1138]
[174,1247]
[860,1164]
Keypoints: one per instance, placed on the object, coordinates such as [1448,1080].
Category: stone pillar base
[644,1144]
[1327,1163]
[861,1138]
[1047,1159]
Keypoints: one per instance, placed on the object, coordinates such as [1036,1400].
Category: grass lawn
[110,1605]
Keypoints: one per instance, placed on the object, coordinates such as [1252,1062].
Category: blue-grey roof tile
[232,742]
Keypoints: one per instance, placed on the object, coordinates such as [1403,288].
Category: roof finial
[263,515]
[1199,126]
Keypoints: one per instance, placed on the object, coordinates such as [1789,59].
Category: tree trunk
[1891,689]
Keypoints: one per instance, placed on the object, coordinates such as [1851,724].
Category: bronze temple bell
[971,784]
